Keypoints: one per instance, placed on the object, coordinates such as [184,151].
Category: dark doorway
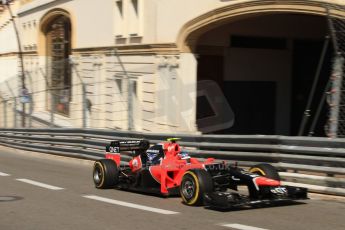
[306,56]
[209,67]
[254,107]
[265,66]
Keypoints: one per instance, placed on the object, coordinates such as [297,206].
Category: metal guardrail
[321,160]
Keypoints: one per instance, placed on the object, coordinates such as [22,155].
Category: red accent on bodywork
[209,161]
[156,172]
[114,157]
[171,170]
[171,149]
[264,181]
[135,164]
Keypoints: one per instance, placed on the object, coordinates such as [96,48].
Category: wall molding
[193,29]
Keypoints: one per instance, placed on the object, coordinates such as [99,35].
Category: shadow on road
[10,198]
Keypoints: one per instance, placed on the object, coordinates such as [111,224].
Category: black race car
[167,170]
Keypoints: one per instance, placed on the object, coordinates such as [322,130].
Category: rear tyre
[265,170]
[195,183]
[105,173]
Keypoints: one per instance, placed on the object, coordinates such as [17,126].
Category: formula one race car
[167,170]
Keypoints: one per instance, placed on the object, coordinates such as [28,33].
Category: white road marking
[39,184]
[4,174]
[131,205]
[242,227]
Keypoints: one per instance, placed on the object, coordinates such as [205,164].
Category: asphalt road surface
[42,192]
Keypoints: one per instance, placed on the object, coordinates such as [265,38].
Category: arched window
[58,48]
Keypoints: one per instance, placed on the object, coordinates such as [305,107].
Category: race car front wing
[267,196]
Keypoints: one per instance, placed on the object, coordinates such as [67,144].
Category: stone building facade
[150,65]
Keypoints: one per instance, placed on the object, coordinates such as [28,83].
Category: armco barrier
[315,161]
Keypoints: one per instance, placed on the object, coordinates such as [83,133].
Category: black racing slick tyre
[105,173]
[195,183]
[265,170]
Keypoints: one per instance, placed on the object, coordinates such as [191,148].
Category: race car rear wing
[127,145]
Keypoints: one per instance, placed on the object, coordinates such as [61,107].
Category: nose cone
[263,181]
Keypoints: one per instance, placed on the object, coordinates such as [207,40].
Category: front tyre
[195,183]
[265,170]
[105,173]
